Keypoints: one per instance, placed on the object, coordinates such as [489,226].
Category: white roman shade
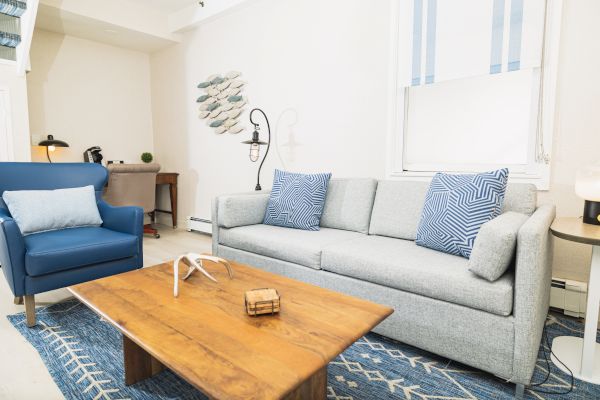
[442,40]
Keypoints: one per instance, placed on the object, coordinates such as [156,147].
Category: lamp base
[591,212]
[258,187]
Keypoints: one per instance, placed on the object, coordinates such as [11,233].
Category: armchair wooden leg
[19,300]
[30,310]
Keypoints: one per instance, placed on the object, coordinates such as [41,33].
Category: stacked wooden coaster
[262,301]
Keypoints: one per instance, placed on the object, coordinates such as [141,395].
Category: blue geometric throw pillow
[297,200]
[455,208]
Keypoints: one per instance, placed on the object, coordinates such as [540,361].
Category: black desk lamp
[51,144]
[255,144]
[587,186]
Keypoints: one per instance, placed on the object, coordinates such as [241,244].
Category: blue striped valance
[13,8]
[445,40]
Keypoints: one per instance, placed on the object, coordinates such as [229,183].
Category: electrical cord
[533,386]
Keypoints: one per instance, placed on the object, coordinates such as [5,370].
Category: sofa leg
[30,310]
[19,300]
[519,391]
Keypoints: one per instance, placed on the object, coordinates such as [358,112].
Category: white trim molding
[538,170]
[27,26]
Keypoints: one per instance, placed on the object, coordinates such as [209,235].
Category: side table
[168,178]
[582,356]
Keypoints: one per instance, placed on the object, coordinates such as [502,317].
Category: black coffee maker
[92,155]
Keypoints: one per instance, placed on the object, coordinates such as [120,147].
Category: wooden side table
[582,356]
[168,178]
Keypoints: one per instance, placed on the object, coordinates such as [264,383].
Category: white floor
[23,375]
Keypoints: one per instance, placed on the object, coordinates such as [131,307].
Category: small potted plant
[147,157]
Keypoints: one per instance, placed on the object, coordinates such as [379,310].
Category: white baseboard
[199,225]
[569,297]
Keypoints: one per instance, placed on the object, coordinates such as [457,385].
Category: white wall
[88,94]
[577,135]
[321,64]
[326,61]
[17,88]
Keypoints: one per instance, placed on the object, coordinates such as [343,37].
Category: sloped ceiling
[134,24]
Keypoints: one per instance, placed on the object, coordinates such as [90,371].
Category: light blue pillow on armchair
[297,200]
[455,208]
[37,211]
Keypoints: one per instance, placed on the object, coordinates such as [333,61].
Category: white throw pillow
[37,211]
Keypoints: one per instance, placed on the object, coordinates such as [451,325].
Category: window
[473,90]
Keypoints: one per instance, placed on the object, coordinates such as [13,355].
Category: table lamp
[587,186]
[51,144]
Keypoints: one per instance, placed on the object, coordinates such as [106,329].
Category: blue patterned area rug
[84,356]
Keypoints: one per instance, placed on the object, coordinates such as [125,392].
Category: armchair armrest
[230,211]
[122,219]
[533,277]
[12,253]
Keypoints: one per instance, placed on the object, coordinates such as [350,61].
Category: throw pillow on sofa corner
[297,200]
[37,211]
[495,245]
[455,208]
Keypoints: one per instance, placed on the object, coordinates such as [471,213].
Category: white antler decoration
[194,262]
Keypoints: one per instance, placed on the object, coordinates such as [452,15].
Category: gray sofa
[366,248]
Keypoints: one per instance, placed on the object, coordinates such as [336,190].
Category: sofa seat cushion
[287,244]
[401,264]
[50,252]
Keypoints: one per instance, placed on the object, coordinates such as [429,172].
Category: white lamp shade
[587,183]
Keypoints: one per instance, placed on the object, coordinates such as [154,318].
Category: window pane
[470,124]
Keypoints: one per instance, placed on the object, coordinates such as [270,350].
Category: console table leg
[315,388]
[139,365]
[173,196]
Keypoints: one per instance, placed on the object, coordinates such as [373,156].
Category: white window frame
[538,171]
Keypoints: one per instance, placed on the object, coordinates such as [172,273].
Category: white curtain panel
[442,40]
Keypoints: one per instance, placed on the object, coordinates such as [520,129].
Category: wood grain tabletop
[206,337]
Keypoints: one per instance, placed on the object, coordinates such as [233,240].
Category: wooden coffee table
[205,337]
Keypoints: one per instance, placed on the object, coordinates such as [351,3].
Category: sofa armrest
[241,209]
[232,210]
[12,253]
[533,277]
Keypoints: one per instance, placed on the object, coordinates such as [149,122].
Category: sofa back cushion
[397,209]
[399,204]
[520,198]
[349,204]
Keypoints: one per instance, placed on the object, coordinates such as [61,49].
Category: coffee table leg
[139,365]
[315,388]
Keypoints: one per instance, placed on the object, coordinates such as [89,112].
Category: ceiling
[167,5]
[143,25]
[56,20]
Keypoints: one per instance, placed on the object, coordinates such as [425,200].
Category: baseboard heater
[199,225]
[568,297]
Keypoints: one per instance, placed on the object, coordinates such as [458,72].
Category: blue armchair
[46,261]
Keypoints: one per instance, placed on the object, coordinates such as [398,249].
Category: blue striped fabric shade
[436,38]
[13,8]
[9,39]
[10,27]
